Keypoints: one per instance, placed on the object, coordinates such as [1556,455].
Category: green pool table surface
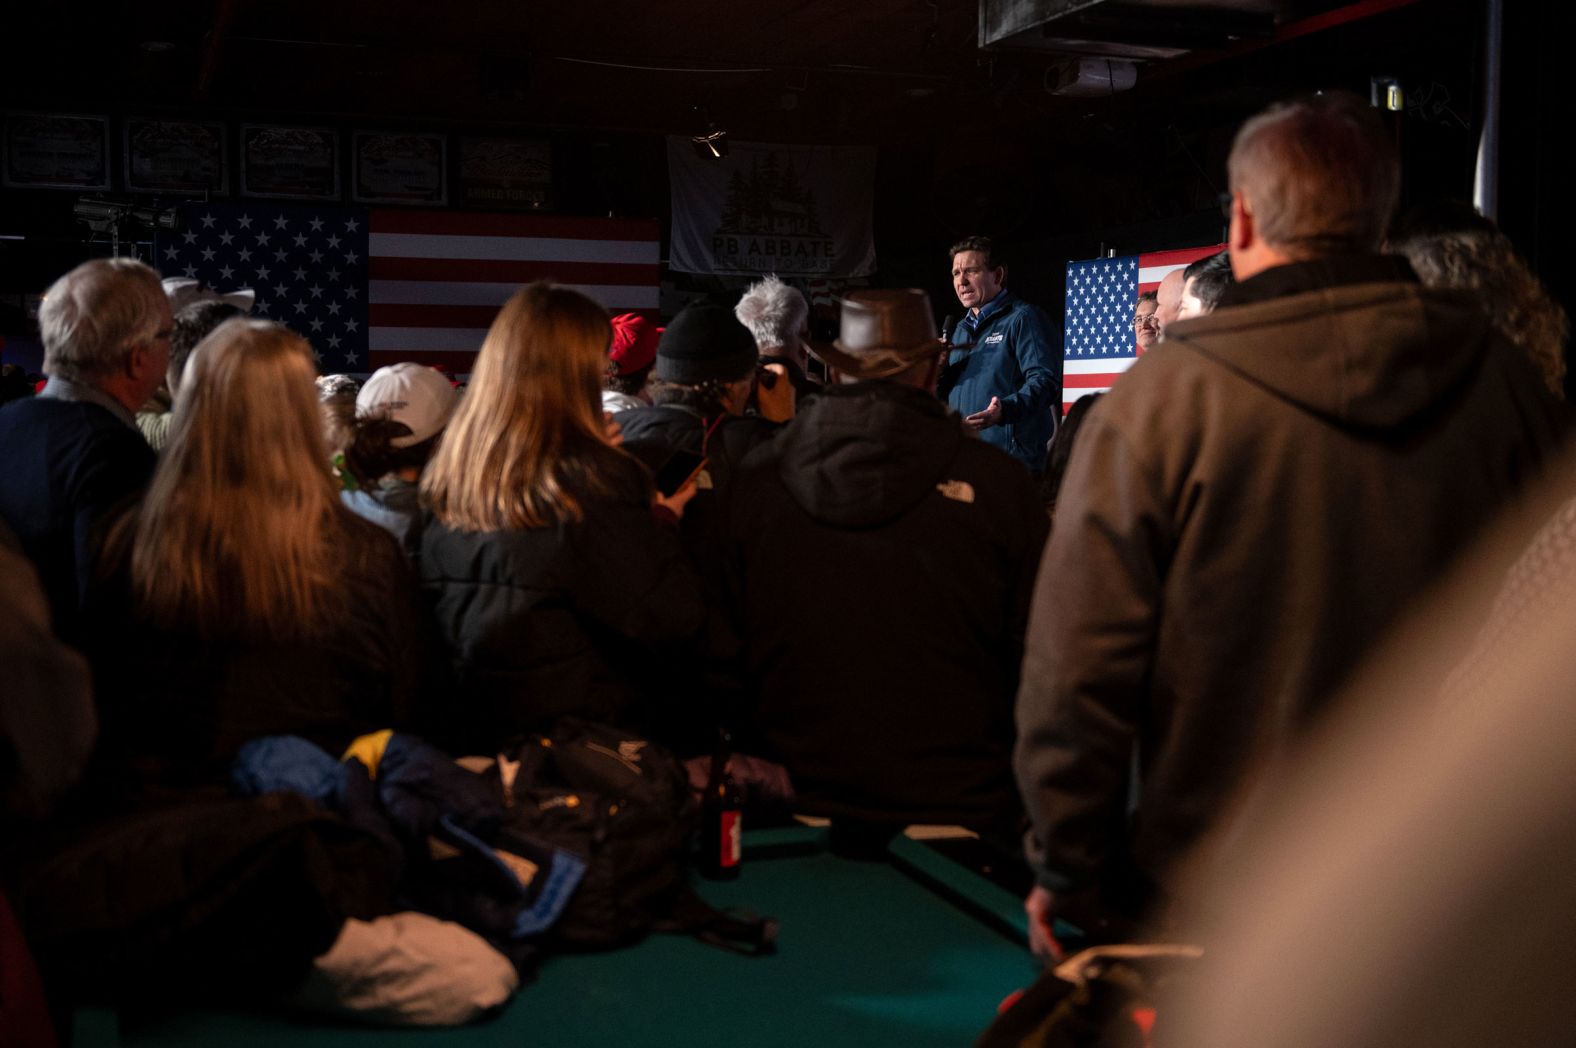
[913,950]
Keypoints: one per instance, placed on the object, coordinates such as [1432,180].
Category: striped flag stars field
[373,287]
[437,278]
[1102,293]
[307,265]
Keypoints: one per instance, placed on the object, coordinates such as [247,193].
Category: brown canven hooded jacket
[1245,513]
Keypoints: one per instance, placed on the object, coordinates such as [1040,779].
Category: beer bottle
[722,817]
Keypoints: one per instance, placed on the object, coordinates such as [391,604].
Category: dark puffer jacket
[883,561]
[652,434]
[581,618]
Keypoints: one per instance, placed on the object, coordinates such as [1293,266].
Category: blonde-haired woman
[551,567]
[241,598]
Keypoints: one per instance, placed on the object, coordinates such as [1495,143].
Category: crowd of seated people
[843,576]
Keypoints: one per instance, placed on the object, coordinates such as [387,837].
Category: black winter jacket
[68,465]
[175,706]
[580,618]
[882,562]
[652,434]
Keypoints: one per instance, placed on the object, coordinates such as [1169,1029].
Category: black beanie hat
[705,343]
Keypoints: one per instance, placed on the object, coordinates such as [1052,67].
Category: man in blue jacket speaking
[1003,374]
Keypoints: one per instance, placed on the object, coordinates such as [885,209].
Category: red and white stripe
[1080,378]
[1153,266]
[436,279]
[1083,377]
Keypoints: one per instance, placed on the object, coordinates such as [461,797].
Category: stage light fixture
[115,217]
[712,143]
[99,214]
[711,146]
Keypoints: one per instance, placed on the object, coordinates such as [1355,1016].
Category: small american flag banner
[372,287]
[1102,293]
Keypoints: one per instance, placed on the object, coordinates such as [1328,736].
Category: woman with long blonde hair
[240,597]
[550,565]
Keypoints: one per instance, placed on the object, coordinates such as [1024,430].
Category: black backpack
[622,803]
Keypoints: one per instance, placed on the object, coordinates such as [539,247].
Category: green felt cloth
[913,952]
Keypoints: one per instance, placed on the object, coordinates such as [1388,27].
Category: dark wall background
[1535,181]
[1132,172]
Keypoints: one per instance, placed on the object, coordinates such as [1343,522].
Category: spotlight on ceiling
[711,144]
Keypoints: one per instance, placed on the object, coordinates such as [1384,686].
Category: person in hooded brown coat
[1251,507]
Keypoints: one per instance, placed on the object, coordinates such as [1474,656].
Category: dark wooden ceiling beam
[213,49]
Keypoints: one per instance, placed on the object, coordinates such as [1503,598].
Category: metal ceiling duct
[1136,30]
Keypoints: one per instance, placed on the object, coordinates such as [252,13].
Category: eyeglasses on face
[1140,319]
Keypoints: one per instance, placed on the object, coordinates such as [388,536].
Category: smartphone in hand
[678,470]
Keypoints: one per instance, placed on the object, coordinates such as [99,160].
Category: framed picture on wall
[298,163]
[514,173]
[56,150]
[397,168]
[175,156]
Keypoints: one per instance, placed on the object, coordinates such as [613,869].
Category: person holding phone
[778,317]
[704,377]
[550,565]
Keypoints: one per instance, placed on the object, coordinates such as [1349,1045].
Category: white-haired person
[73,452]
[400,416]
[548,561]
[778,318]
[240,598]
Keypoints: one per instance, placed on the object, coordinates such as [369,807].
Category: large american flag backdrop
[1099,343]
[369,287]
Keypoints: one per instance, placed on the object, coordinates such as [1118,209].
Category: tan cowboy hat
[883,332]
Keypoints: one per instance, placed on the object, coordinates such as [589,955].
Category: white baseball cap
[414,394]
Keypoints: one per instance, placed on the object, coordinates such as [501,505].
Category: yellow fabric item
[368,749]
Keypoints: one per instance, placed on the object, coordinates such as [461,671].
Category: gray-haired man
[1249,509]
[73,452]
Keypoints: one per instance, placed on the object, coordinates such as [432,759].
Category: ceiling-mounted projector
[1092,77]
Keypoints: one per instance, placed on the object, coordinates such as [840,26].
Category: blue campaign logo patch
[997,337]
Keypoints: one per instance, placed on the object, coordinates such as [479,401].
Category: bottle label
[731,843]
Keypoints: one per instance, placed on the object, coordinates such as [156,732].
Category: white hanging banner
[800,210]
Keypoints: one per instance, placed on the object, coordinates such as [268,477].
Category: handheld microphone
[948,322]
